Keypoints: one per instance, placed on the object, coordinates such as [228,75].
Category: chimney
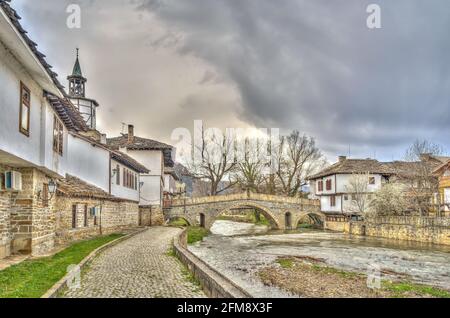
[103,139]
[130,134]
[342,158]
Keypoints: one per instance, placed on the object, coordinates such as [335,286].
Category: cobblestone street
[137,268]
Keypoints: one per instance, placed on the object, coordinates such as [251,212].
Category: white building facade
[334,185]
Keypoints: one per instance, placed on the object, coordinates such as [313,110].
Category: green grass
[285,262]
[179,222]
[32,278]
[305,226]
[402,289]
[196,234]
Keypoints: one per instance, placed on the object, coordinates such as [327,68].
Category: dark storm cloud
[310,65]
[315,66]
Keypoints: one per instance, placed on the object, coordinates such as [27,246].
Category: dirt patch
[309,277]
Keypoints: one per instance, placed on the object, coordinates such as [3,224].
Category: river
[239,250]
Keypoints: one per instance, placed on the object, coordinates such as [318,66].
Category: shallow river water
[239,250]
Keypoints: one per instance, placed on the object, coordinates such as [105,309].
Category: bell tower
[77,94]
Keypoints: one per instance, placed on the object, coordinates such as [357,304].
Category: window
[320,186]
[58,135]
[328,185]
[45,195]
[346,197]
[333,201]
[371,180]
[74,216]
[130,179]
[118,175]
[24,113]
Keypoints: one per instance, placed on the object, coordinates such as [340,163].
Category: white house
[332,185]
[45,142]
[155,156]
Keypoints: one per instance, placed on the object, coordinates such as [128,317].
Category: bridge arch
[185,219]
[317,217]
[268,214]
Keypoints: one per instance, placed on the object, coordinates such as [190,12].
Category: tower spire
[77,94]
[77,68]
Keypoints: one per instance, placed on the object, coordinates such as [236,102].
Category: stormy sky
[310,65]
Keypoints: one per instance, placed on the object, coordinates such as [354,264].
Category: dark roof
[413,168]
[398,168]
[181,170]
[72,186]
[137,144]
[348,166]
[142,144]
[173,172]
[75,187]
[128,161]
[14,18]
[67,112]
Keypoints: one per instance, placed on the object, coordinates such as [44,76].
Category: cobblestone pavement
[137,268]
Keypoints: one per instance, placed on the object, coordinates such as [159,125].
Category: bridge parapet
[243,197]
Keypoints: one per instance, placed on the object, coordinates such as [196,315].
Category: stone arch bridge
[282,212]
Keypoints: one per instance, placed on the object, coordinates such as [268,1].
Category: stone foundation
[26,222]
[433,230]
[419,229]
[29,225]
[115,216]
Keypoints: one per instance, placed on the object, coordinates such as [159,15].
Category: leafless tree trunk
[422,185]
[358,188]
[213,161]
[251,170]
[296,157]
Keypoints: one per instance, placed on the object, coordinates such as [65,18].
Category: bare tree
[295,158]
[251,169]
[390,200]
[418,177]
[358,185]
[213,161]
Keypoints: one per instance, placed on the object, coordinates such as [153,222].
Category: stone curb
[62,283]
[213,283]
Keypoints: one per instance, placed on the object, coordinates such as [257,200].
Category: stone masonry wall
[433,230]
[115,216]
[420,229]
[5,224]
[151,215]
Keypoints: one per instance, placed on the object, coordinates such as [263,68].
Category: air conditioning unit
[13,181]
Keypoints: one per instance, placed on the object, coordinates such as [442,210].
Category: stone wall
[151,215]
[421,229]
[5,224]
[214,284]
[115,216]
[26,221]
[28,224]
